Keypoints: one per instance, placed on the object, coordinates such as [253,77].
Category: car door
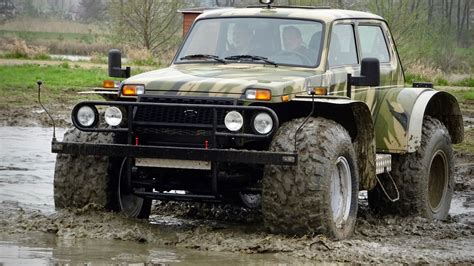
[343,56]
[374,41]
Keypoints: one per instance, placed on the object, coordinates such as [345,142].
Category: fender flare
[356,118]
[440,105]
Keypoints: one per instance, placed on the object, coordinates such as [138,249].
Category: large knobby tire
[80,180]
[425,178]
[320,194]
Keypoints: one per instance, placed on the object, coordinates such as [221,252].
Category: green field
[18,84]
[34,36]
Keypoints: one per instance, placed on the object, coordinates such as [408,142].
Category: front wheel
[130,204]
[319,195]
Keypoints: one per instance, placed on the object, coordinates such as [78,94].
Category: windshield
[280,41]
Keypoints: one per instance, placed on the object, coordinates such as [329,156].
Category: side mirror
[369,75]
[115,65]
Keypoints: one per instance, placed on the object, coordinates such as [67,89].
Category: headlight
[113,116]
[86,116]
[263,123]
[233,121]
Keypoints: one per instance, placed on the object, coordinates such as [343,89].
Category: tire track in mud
[376,240]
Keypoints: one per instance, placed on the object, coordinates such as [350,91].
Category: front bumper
[211,152]
[179,153]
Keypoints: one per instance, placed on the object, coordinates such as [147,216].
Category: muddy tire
[130,205]
[424,178]
[319,195]
[81,180]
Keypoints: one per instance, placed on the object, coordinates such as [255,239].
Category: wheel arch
[355,117]
[440,105]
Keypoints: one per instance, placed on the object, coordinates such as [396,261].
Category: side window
[372,43]
[342,50]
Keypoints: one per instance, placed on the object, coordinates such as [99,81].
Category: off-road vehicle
[293,110]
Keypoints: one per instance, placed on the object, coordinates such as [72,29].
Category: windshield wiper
[251,57]
[207,56]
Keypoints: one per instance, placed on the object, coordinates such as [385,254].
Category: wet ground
[33,233]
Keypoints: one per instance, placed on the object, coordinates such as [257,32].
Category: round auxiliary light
[233,121]
[86,116]
[263,123]
[113,116]
[266,2]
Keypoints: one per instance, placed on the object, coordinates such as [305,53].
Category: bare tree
[91,10]
[148,23]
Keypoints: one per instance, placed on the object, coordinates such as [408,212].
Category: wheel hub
[438,180]
[341,192]
[129,203]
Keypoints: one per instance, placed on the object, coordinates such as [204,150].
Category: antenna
[39,83]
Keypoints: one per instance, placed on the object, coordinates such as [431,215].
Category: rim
[438,180]
[341,192]
[251,200]
[130,205]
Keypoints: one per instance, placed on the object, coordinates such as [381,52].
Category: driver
[241,38]
[293,42]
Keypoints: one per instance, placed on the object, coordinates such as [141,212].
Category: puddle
[26,184]
[27,167]
[46,249]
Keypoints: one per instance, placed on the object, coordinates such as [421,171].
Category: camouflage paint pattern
[390,104]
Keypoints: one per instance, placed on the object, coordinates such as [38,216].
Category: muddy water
[26,187]
[31,232]
[26,167]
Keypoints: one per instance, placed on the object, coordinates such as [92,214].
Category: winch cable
[305,120]
[39,83]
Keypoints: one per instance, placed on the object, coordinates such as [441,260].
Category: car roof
[325,14]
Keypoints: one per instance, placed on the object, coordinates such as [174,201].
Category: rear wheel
[319,195]
[424,178]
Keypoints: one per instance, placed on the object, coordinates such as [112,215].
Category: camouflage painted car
[290,109]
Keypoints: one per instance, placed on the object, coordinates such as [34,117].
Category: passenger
[293,42]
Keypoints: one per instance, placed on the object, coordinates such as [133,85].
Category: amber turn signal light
[108,84]
[258,94]
[132,90]
[320,91]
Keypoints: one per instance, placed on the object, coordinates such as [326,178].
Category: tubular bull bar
[210,153]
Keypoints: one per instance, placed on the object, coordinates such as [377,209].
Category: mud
[190,233]
[34,116]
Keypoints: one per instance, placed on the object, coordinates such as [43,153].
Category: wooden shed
[190,14]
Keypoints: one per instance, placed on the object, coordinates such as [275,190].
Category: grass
[438,81]
[18,83]
[33,36]
[49,25]
[463,94]
[468,144]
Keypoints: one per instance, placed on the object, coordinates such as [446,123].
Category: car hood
[230,79]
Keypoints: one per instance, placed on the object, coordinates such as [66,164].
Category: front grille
[186,114]
[176,132]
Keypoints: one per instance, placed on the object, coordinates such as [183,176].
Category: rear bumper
[179,153]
